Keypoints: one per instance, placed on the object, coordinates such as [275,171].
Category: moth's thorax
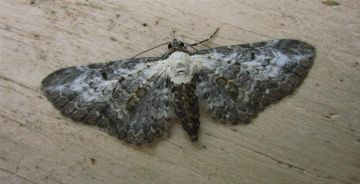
[180,70]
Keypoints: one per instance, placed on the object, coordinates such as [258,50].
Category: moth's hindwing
[131,99]
[236,82]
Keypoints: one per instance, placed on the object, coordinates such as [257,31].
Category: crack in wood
[18,83]
[289,165]
[17,175]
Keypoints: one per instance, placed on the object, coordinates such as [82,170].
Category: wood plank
[311,136]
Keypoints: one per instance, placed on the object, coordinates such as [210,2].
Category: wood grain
[311,136]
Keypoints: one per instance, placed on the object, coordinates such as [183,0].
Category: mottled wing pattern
[131,99]
[236,82]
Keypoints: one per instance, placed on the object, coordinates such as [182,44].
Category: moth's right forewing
[236,82]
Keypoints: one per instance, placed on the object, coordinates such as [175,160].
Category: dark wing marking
[131,99]
[236,82]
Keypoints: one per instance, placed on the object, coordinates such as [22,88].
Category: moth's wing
[131,98]
[236,82]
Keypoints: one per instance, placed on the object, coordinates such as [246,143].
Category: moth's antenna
[211,36]
[150,49]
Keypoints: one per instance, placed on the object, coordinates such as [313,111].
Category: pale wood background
[311,136]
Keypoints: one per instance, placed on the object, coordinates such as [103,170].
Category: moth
[135,99]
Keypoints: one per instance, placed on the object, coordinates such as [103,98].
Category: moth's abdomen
[186,108]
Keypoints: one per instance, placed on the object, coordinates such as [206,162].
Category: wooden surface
[311,136]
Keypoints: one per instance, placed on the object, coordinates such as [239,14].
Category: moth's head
[177,45]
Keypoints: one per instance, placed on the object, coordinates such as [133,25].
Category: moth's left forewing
[238,81]
[131,99]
